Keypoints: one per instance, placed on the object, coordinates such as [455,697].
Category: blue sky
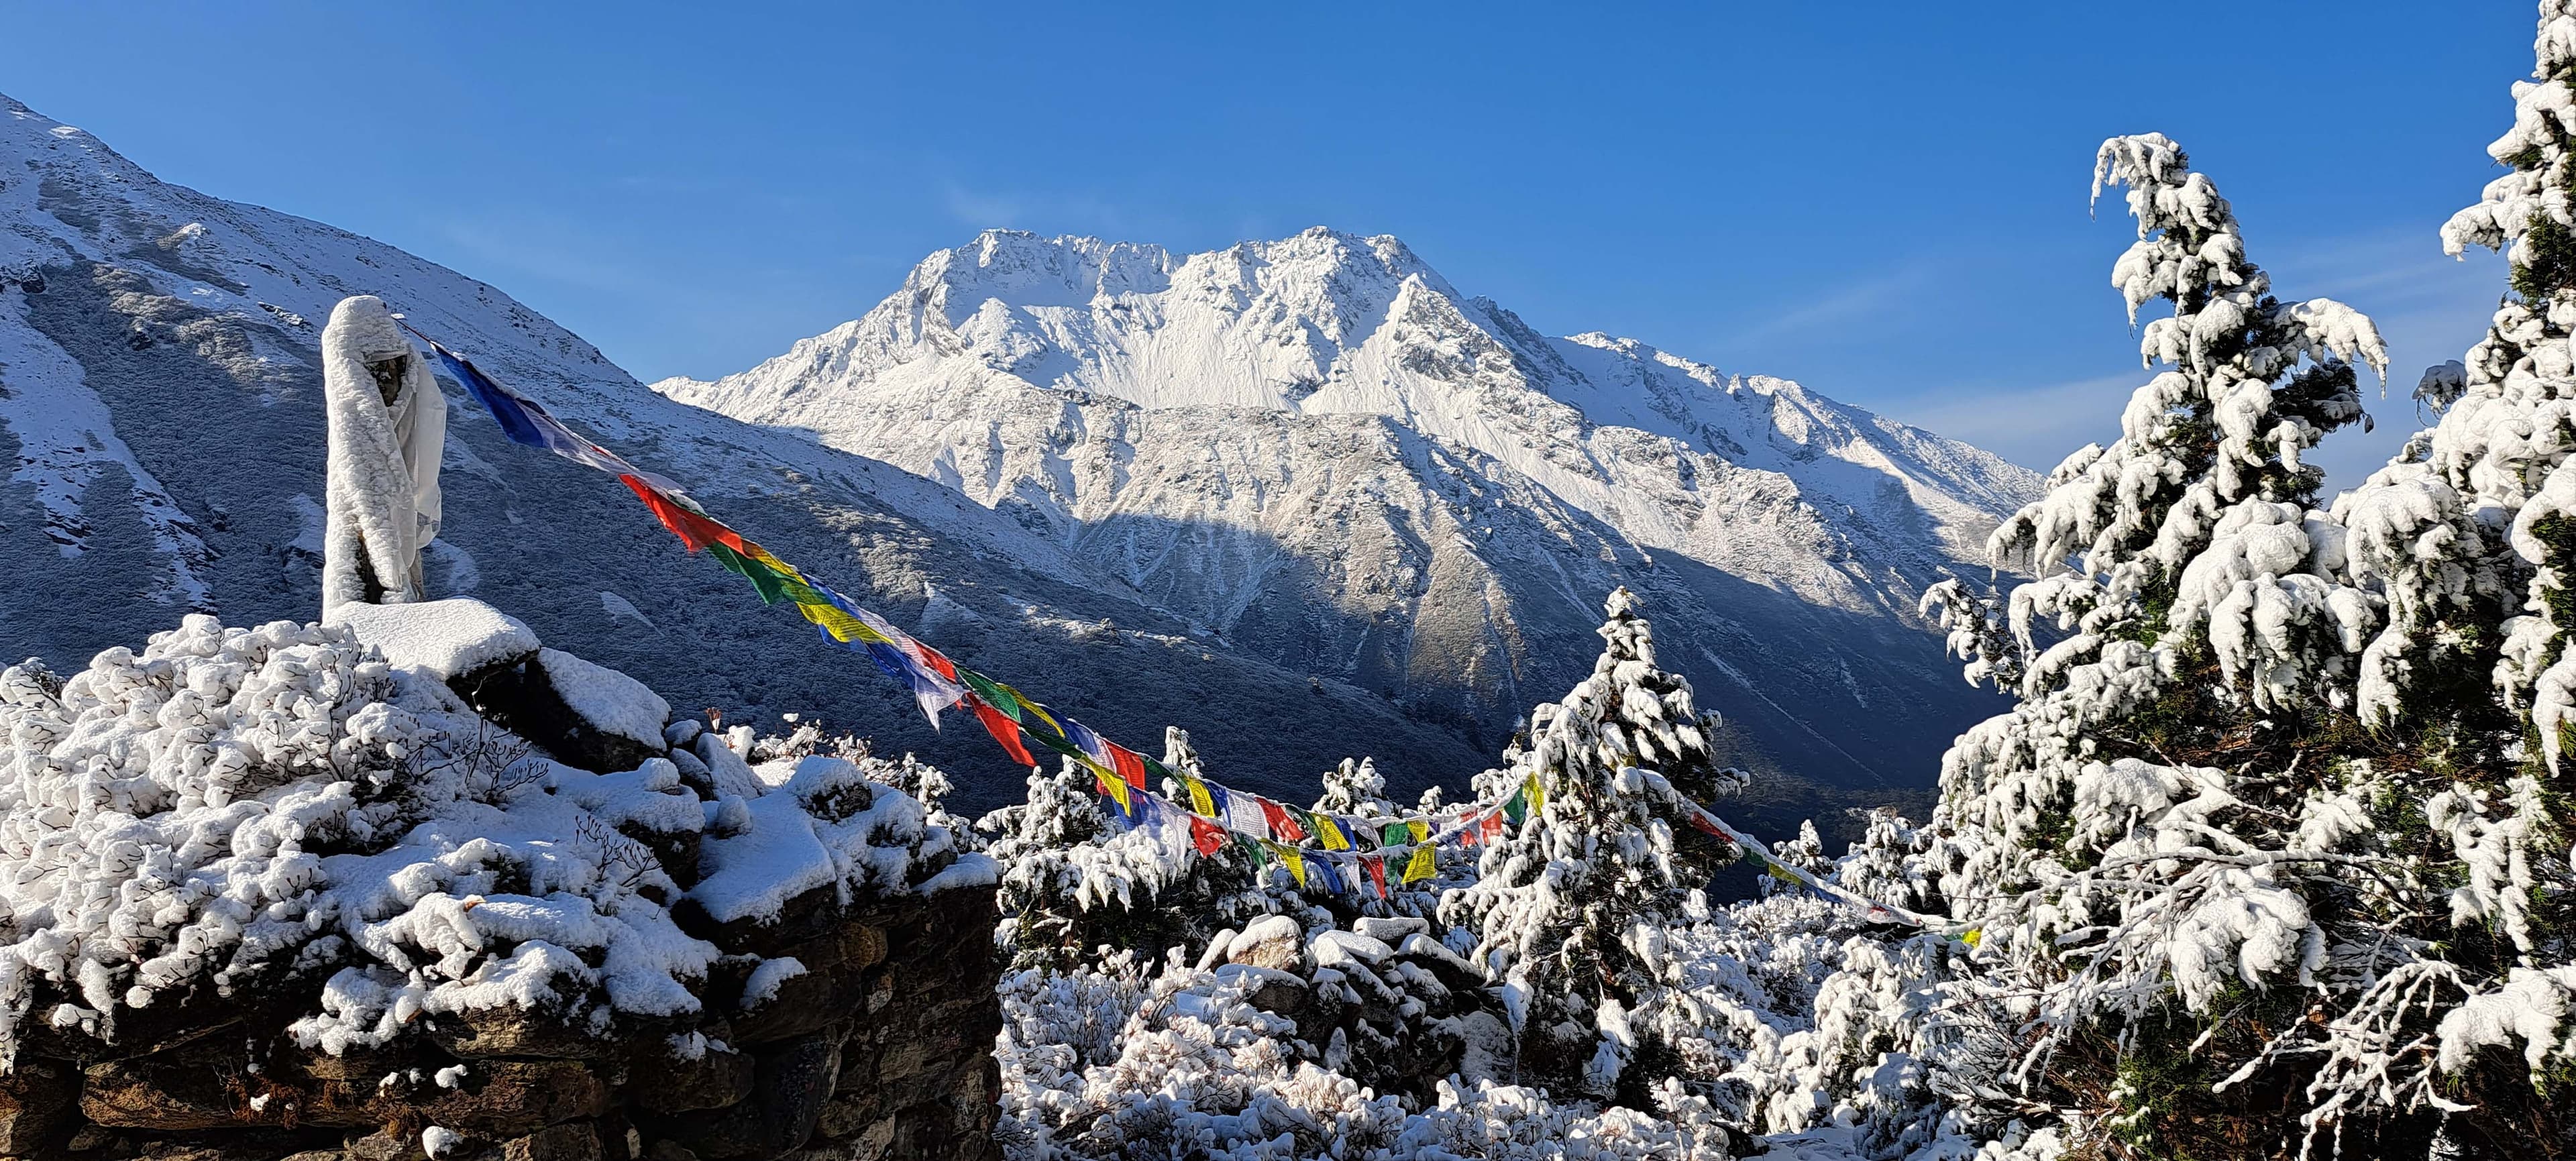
[1885,201]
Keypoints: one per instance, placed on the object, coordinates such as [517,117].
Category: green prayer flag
[994,693]
[768,583]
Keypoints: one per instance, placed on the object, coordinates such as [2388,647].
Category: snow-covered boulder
[581,713]
[1390,929]
[446,639]
[1335,949]
[605,700]
[1272,941]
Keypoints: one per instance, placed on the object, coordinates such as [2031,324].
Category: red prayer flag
[1492,826]
[1003,729]
[1376,872]
[1131,765]
[1700,822]
[1208,837]
[695,530]
[937,661]
[1282,827]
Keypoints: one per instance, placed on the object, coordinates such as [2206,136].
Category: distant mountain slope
[1320,451]
[160,402]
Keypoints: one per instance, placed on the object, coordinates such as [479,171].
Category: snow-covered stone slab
[609,701]
[1339,948]
[447,638]
[1390,929]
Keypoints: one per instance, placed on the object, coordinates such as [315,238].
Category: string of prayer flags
[526,423]
[1753,849]
[1264,828]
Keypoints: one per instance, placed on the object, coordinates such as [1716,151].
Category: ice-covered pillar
[388,424]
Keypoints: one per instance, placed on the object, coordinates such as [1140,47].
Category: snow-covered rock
[445,639]
[609,701]
[273,830]
[1273,942]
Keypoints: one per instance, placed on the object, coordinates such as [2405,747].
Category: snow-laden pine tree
[2468,536]
[1573,905]
[1356,788]
[2158,846]
[2275,828]
[1073,880]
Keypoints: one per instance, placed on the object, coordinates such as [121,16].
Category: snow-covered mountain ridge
[162,423]
[1256,434]
[1291,584]
[1324,323]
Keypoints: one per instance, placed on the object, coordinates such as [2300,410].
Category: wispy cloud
[2429,308]
[2031,426]
[980,209]
[522,249]
[986,209]
[1843,304]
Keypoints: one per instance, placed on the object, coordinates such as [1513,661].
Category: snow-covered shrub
[275,811]
[1077,881]
[1131,1059]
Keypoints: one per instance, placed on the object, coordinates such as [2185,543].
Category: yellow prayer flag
[1199,799]
[1537,795]
[1110,784]
[1330,834]
[1288,855]
[1421,830]
[840,625]
[776,565]
[1422,865]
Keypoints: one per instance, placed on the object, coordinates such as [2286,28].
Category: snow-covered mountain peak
[1323,421]
[1329,323]
[1307,474]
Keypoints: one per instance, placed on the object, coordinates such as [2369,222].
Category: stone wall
[848,1022]
[881,1049]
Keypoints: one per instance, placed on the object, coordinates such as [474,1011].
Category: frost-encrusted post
[388,425]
